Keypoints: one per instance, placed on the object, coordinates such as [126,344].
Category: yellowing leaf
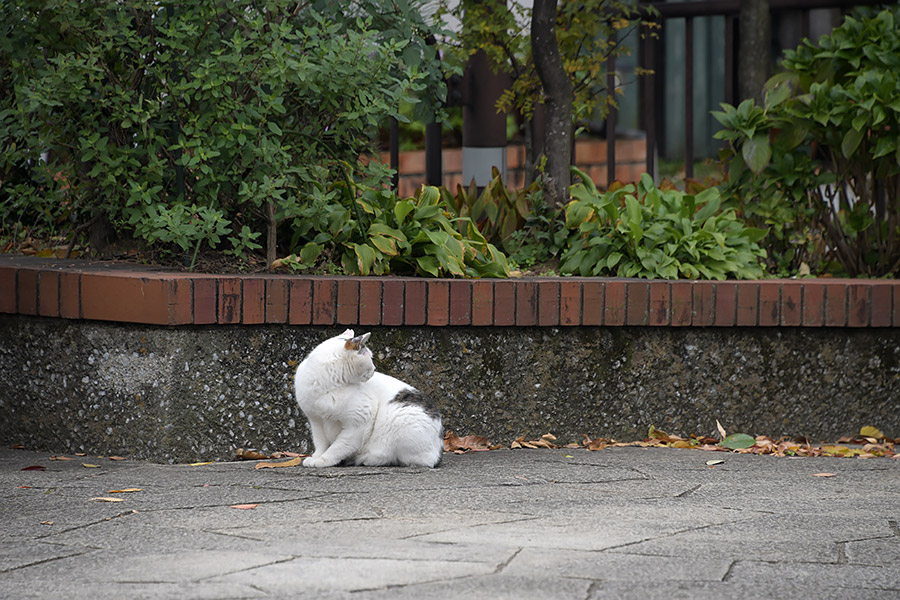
[102,499]
[126,491]
[244,506]
[713,463]
[288,463]
[823,474]
[90,466]
[61,458]
[200,464]
[721,429]
[873,432]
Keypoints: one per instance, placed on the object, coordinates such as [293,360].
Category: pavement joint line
[729,571]
[86,525]
[45,561]
[524,519]
[249,568]
[690,491]
[674,533]
[502,566]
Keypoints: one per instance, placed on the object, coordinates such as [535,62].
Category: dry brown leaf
[242,454]
[126,491]
[117,458]
[106,499]
[46,522]
[17,447]
[34,468]
[823,474]
[61,458]
[475,443]
[244,506]
[288,463]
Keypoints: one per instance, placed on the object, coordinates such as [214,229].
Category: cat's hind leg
[345,445]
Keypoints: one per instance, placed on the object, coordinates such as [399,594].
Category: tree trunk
[558,96]
[754,52]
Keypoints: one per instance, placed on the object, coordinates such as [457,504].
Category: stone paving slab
[621,523]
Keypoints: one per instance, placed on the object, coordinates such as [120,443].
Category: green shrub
[652,233]
[828,139]
[255,103]
[370,230]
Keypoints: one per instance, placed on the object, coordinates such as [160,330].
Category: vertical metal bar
[804,24]
[648,100]
[689,97]
[611,117]
[433,162]
[730,45]
[395,154]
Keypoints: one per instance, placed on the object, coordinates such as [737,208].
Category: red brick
[526,303]
[592,302]
[548,303]
[482,303]
[205,301]
[813,304]
[896,289]
[660,302]
[370,302]
[323,301]
[253,301]
[703,311]
[300,295]
[836,304]
[27,285]
[858,305]
[769,303]
[276,300]
[637,296]
[438,303]
[415,302]
[126,298]
[348,301]
[570,302]
[504,303]
[614,303]
[747,310]
[392,302]
[726,304]
[460,302]
[792,304]
[70,295]
[181,308]
[229,301]
[882,305]
[8,289]
[681,303]
[48,293]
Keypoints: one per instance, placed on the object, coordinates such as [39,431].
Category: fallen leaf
[712,463]
[242,454]
[873,432]
[126,491]
[721,429]
[244,506]
[285,454]
[737,440]
[549,437]
[17,447]
[61,458]
[117,458]
[106,499]
[823,474]
[200,464]
[90,466]
[81,454]
[35,468]
[475,443]
[288,463]
[23,487]
[46,522]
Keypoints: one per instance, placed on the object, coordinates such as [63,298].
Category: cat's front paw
[315,461]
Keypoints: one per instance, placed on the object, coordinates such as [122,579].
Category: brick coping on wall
[133,294]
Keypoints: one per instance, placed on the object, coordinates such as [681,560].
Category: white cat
[361,417]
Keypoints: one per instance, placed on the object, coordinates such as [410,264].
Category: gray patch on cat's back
[414,397]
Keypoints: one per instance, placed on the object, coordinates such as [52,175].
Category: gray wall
[192,393]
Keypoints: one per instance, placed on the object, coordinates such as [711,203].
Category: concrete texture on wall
[190,393]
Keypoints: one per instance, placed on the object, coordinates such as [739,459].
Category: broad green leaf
[757,152]
[736,441]
[851,142]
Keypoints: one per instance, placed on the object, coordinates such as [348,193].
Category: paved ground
[620,523]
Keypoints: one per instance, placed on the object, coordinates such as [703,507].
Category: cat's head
[346,358]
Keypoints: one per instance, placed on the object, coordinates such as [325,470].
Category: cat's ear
[348,333]
[357,343]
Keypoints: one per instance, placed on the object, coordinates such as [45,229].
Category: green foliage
[496,211]
[653,233]
[257,104]
[370,230]
[828,137]
[541,238]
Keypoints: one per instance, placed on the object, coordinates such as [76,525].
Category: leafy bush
[828,137]
[653,233]
[184,123]
[497,211]
[372,231]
